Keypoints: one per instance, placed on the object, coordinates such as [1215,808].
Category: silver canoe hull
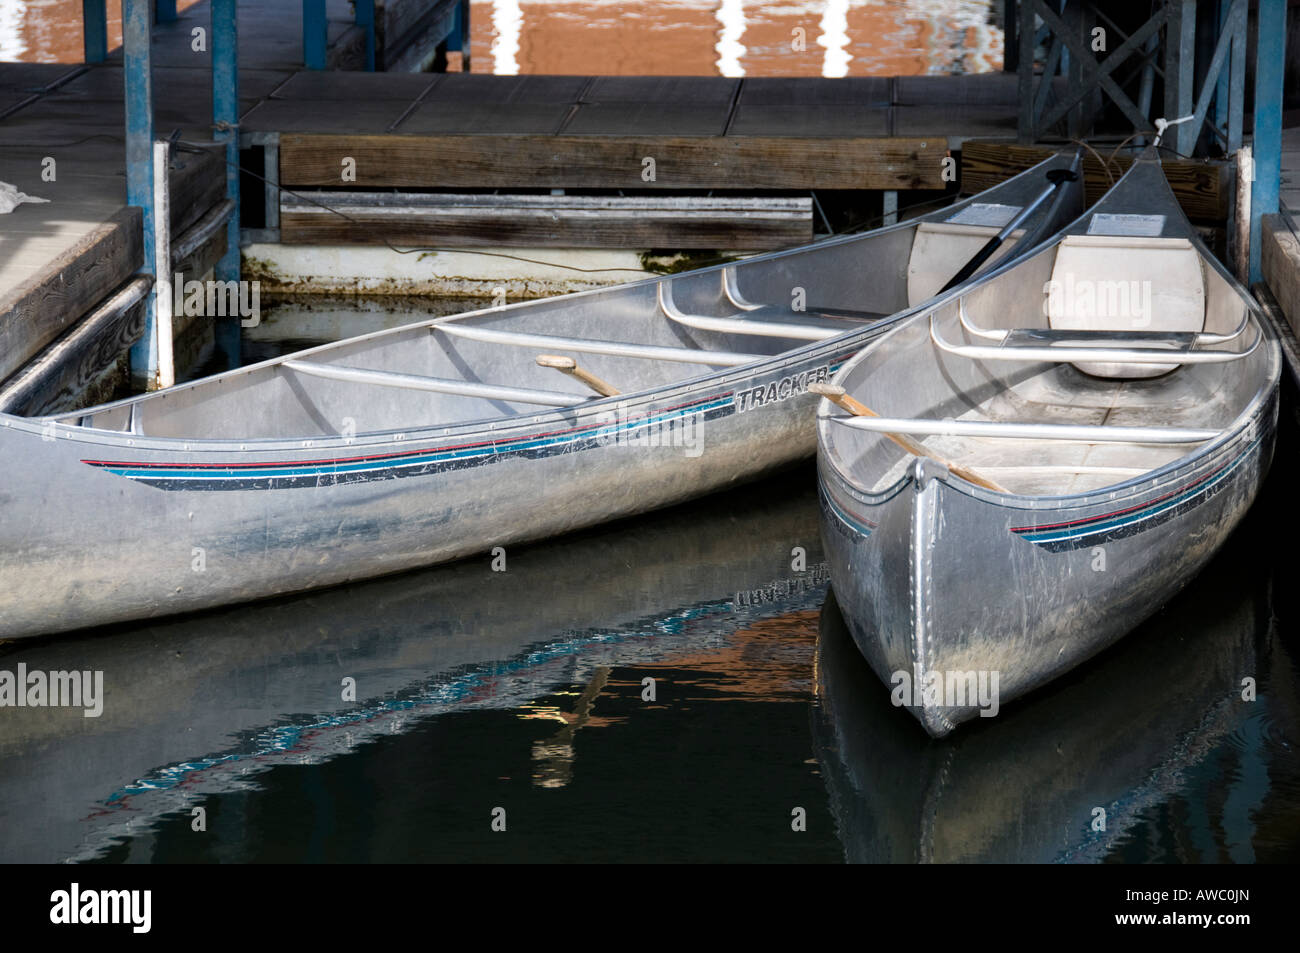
[305,472]
[963,598]
[1124,734]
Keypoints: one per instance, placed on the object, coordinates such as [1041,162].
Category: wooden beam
[616,162]
[1204,187]
[38,310]
[532,221]
[59,378]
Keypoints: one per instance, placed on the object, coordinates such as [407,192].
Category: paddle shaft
[567,365]
[858,409]
[994,243]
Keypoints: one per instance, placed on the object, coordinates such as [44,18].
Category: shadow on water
[1154,732]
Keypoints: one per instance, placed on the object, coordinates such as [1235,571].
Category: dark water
[523,690]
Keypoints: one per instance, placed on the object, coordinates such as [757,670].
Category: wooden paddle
[567,365]
[838,396]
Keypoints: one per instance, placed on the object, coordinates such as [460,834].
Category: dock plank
[1204,187]
[532,221]
[708,162]
[37,310]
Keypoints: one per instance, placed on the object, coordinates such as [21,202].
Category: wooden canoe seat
[1123,285]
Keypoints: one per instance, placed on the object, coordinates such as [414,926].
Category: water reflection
[207,705]
[1155,733]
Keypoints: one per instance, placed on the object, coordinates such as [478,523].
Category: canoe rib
[438,385]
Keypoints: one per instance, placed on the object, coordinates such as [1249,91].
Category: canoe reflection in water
[203,705]
[1134,734]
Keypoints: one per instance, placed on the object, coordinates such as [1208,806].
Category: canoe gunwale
[57,425]
[1251,414]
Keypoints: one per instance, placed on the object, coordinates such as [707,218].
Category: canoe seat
[940,249]
[1104,283]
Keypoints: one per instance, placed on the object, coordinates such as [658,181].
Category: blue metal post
[1270,67]
[94,30]
[138,82]
[366,18]
[1221,87]
[225,120]
[166,10]
[315,34]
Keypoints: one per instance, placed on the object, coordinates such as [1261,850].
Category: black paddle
[1057,177]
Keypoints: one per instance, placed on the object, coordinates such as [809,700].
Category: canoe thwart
[838,396]
[360,375]
[1028,431]
[1018,337]
[1106,346]
[803,330]
[731,291]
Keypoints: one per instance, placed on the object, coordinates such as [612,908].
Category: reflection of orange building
[650,37]
[640,37]
[771,660]
[49,31]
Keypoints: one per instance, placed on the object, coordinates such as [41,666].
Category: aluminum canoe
[445,438]
[1124,447]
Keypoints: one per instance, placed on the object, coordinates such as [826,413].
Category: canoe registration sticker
[789,386]
[1127,226]
[985,213]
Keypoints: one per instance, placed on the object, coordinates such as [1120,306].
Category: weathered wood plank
[197,183]
[64,374]
[546,221]
[709,162]
[36,311]
[1204,187]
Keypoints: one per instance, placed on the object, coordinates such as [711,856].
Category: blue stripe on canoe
[862,527]
[284,475]
[1109,524]
[262,472]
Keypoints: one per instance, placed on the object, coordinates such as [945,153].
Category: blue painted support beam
[366,19]
[137,23]
[315,34]
[1270,67]
[166,10]
[1222,85]
[225,120]
[94,30]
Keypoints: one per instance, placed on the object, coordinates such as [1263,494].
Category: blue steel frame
[1270,67]
[94,30]
[365,18]
[315,34]
[225,121]
[137,24]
